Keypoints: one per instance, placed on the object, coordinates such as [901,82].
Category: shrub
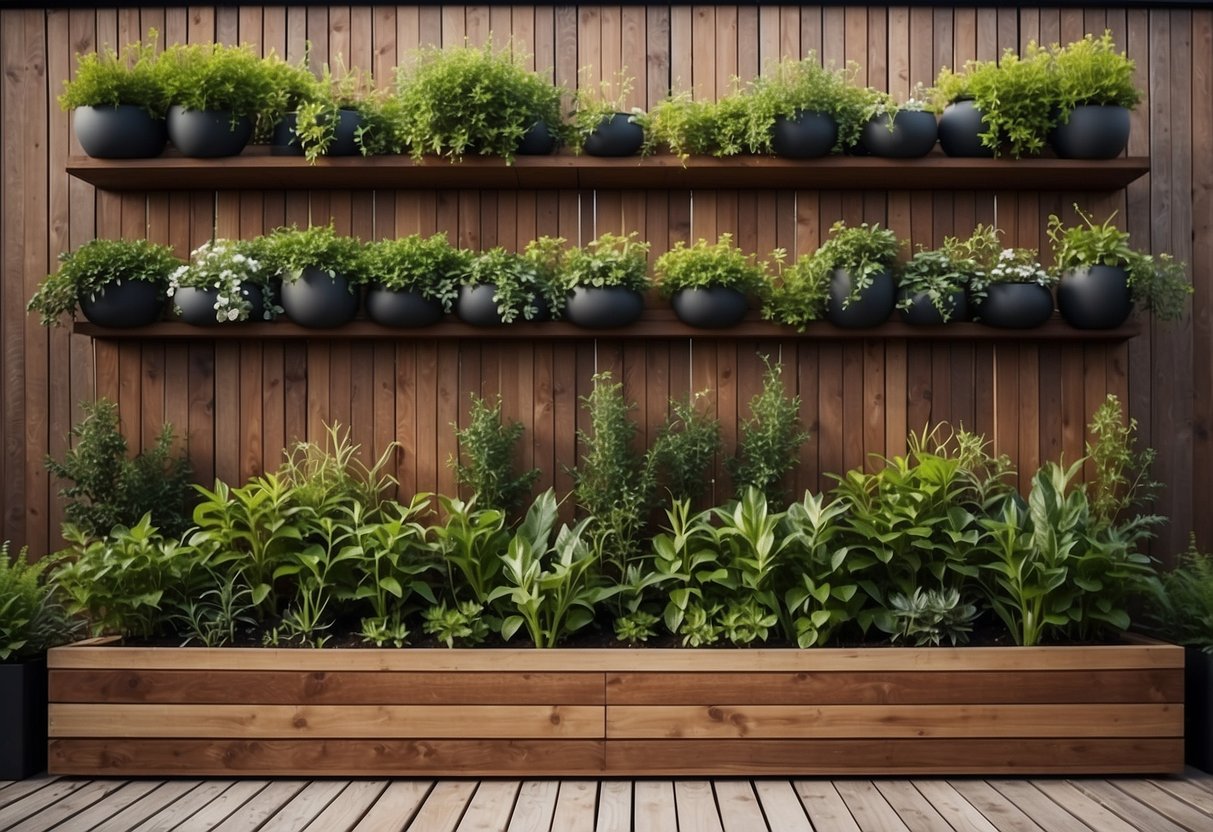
[217,77]
[486,461]
[288,251]
[792,87]
[769,440]
[103,79]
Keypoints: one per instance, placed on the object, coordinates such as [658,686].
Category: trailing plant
[769,440]
[482,100]
[928,618]
[864,251]
[704,266]
[790,88]
[105,79]
[595,103]
[226,266]
[681,456]
[317,118]
[1182,609]
[32,620]
[108,488]
[1091,71]
[1121,482]
[287,252]
[85,272]
[463,624]
[221,78]
[518,288]
[611,260]
[293,85]
[883,107]
[429,266]
[937,276]
[486,461]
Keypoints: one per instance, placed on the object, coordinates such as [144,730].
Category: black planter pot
[1096,297]
[1092,132]
[1198,709]
[286,143]
[806,136]
[125,304]
[1016,306]
[712,308]
[603,308]
[405,309]
[123,132]
[960,129]
[476,306]
[23,719]
[873,306]
[922,311]
[537,141]
[207,134]
[197,306]
[615,136]
[913,135]
[318,301]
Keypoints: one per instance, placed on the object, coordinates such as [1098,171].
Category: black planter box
[1198,709]
[22,719]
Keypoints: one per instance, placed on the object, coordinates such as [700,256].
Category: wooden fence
[237,402]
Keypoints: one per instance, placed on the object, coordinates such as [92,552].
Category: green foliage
[31,618]
[705,265]
[429,266]
[769,439]
[93,266]
[1121,481]
[928,618]
[800,292]
[864,251]
[463,623]
[286,252]
[518,286]
[687,127]
[1017,265]
[456,101]
[382,131]
[486,461]
[104,79]
[218,615]
[322,476]
[218,77]
[1182,609]
[1091,71]
[790,88]
[636,627]
[612,260]
[1160,284]
[936,275]
[108,488]
[1018,97]
[224,265]
[317,117]
[594,104]
[824,593]
[681,456]
[470,543]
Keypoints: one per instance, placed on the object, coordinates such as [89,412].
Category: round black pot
[913,135]
[318,301]
[960,129]
[123,132]
[615,136]
[475,305]
[1016,305]
[1092,132]
[603,308]
[537,141]
[207,134]
[197,306]
[125,304]
[806,136]
[1096,297]
[922,311]
[403,308]
[873,306]
[711,308]
[285,143]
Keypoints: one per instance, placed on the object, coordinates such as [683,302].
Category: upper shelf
[257,169]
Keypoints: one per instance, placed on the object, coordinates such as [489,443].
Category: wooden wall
[240,402]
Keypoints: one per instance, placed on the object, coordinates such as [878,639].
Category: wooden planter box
[162,711]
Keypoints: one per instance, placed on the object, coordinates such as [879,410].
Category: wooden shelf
[256,169]
[654,325]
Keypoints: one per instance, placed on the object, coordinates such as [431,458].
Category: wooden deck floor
[930,805]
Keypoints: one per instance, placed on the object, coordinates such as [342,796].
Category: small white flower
[233,314]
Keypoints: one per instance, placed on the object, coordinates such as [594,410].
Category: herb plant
[935,275]
[429,266]
[1091,71]
[1018,98]
[317,118]
[1121,481]
[463,624]
[517,285]
[103,79]
[287,252]
[32,620]
[687,127]
[704,265]
[790,88]
[594,104]
[612,260]
[217,77]
[769,439]
[486,462]
[93,266]
[684,449]
[227,267]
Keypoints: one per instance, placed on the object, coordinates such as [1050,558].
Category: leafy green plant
[224,265]
[1091,71]
[292,84]
[93,266]
[769,439]
[753,553]
[611,260]
[518,288]
[317,117]
[429,266]
[482,100]
[287,252]
[486,461]
[636,627]
[883,107]
[108,488]
[798,293]
[700,627]
[687,127]
[864,251]
[218,77]
[103,79]
[937,276]
[824,594]
[1121,480]
[744,622]
[1016,265]
[470,543]
[464,624]
[32,620]
[217,616]
[791,87]
[594,104]
[382,130]
[680,458]
[928,618]
[1182,608]
[324,476]
[1018,97]
[704,265]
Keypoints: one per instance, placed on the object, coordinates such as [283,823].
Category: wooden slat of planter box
[1100,657]
[908,721]
[270,687]
[328,721]
[905,687]
[873,757]
[335,758]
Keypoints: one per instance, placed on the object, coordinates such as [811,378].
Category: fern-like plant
[770,438]
[486,462]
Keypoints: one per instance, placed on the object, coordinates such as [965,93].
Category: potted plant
[708,284]
[859,262]
[798,292]
[224,283]
[961,123]
[898,131]
[118,283]
[31,622]
[479,100]
[500,287]
[118,103]
[414,280]
[801,109]
[320,272]
[601,125]
[1012,290]
[328,124]
[605,281]
[1102,278]
[293,86]
[1183,613]
[1017,99]
[687,127]
[216,93]
[1095,93]
[932,289]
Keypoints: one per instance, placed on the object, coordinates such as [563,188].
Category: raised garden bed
[136,711]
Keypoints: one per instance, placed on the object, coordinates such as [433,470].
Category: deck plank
[303,808]
[1004,814]
[444,806]
[37,800]
[146,806]
[575,806]
[535,806]
[1089,811]
[349,807]
[491,806]
[396,807]
[915,811]
[784,811]
[172,814]
[22,788]
[1188,792]
[654,806]
[69,806]
[262,806]
[614,806]
[1126,807]
[223,806]
[825,806]
[696,805]
[961,815]
[109,805]
[868,806]
[1038,805]
[1180,812]
[738,806]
